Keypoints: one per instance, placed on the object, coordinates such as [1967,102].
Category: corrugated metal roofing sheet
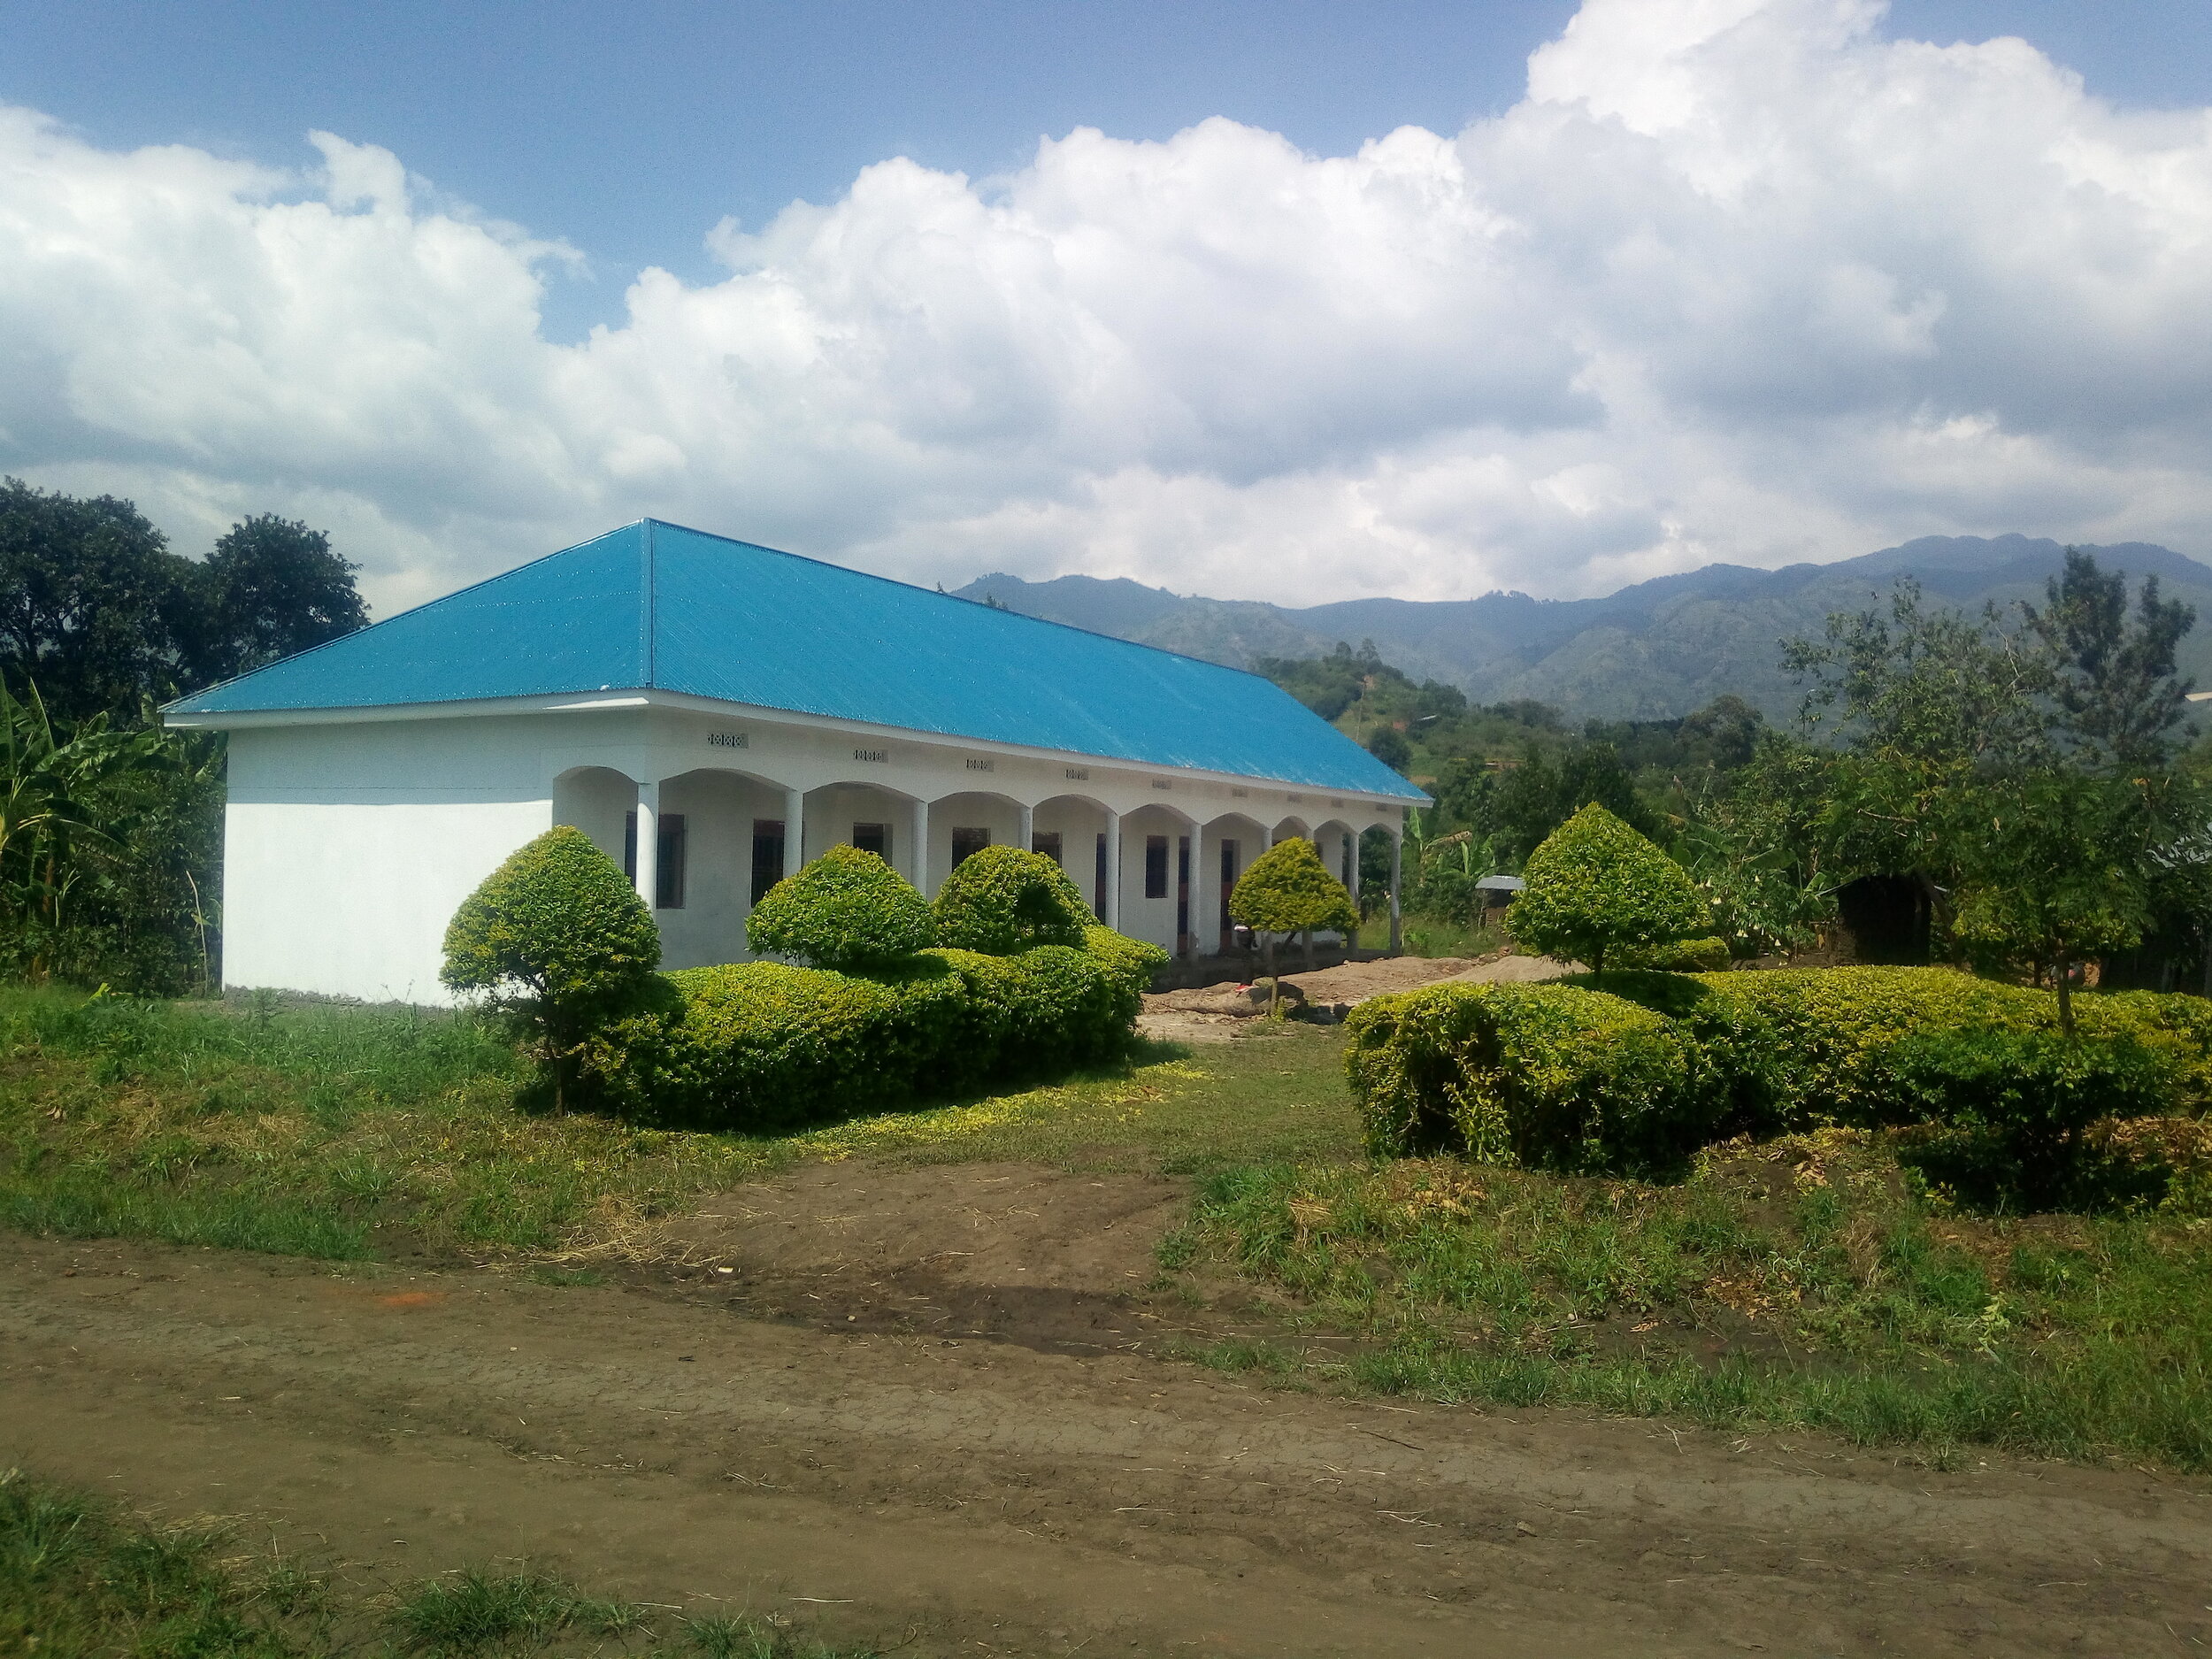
[657,606]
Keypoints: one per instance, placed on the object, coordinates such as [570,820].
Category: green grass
[80,1580]
[350,1133]
[1432,935]
[1803,1283]
[1800,1283]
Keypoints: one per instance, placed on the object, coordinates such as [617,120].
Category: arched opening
[1226,848]
[888,823]
[1156,877]
[1286,829]
[1072,828]
[966,822]
[598,800]
[721,848]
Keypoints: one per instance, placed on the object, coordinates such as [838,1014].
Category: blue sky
[1297,301]
[630,130]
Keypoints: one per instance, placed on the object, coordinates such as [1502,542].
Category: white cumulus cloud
[1737,280]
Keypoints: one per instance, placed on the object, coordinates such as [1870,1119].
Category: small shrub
[1542,1075]
[1002,901]
[1596,887]
[558,940]
[2012,1108]
[1289,890]
[765,1045]
[847,911]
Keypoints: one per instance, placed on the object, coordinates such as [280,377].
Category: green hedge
[1539,1074]
[1562,1075]
[763,1045]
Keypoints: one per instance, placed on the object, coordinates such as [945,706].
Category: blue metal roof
[654,606]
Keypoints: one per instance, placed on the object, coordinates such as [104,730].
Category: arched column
[1397,870]
[1113,869]
[793,830]
[647,854]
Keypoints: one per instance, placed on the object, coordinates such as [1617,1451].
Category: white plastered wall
[348,849]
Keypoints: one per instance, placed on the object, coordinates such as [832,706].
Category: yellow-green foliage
[1537,1074]
[1709,955]
[1289,890]
[1596,889]
[1557,1075]
[761,1044]
[1002,901]
[1801,1046]
[558,919]
[848,909]
[557,940]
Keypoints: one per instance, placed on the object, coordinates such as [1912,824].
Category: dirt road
[874,1422]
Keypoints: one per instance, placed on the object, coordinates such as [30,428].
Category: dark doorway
[1156,866]
[1886,920]
[968,842]
[767,856]
[1098,902]
[1228,884]
[1183,946]
[874,838]
[1048,843]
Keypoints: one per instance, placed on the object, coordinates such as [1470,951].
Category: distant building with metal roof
[714,713]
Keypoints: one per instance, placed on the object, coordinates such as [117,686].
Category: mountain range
[1651,651]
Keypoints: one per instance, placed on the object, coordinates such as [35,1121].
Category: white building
[713,714]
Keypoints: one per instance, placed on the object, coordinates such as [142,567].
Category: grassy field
[1802,1283]
[360,1134]
[80,1580]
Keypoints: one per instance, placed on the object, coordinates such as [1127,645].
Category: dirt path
[869,1462]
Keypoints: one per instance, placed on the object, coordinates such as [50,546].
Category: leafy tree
[1389,745]
[2052,872]
[1289,890]
[1535,798]
[271,588]
[557,940]
[94,609]
[1928,686]
[848,910]
[1002,901]
[1595,886]
[100,615]
[2118,693]
[1761,849]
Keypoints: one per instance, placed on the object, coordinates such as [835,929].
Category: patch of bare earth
[918,1409]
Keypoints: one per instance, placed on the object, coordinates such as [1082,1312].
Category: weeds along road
[971,1496]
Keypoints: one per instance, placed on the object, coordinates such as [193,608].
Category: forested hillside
[1654,651]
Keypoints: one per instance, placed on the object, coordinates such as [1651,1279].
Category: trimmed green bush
[2014,1108]
[848,910]
[1002,901]
[763,1045]
[1555,1075]
[557,940]
[1709,955]
[1799,1047]
[1289,890]
[1597,888]
[1544,1075]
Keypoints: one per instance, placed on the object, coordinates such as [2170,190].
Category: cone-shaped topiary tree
[848,910]
[557,940]
[1002,901]
[1595,886]
[1289,890]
